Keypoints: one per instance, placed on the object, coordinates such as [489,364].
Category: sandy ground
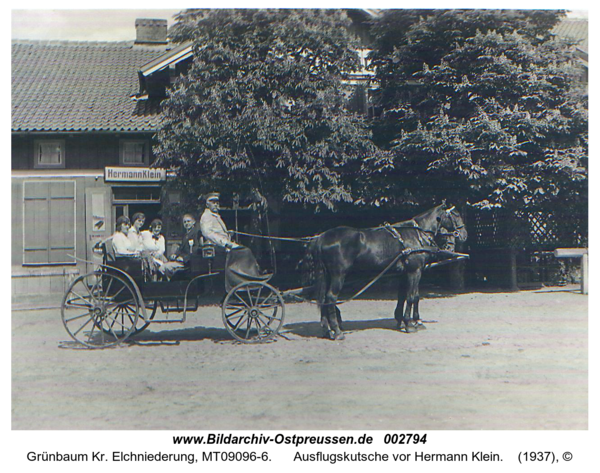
[486,361]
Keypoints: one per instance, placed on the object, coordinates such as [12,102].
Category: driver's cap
[212,196]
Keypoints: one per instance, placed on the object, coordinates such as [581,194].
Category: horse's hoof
[409,328]
[340,336]
[420,326]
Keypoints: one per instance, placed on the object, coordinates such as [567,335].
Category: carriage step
[166,307]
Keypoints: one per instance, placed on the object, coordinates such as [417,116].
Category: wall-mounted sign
[120,174]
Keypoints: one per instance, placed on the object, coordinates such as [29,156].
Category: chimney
[150,31]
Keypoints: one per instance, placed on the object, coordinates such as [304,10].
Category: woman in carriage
[121,242]
[128,246]
[154,243]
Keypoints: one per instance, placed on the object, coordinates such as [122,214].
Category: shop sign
[121,174]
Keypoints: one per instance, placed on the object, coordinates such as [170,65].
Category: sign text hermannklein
[120,174]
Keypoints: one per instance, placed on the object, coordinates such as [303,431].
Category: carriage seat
[129,264]
[105,249]
[209,250]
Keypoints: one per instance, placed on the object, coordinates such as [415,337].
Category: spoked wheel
[143,322]
[253,312]
[100,310]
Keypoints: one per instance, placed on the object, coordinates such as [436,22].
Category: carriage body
[121,299]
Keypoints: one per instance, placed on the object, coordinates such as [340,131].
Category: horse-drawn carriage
[117,300]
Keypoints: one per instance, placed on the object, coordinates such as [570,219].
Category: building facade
[81,150]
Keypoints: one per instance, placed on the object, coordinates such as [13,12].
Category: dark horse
[405,247]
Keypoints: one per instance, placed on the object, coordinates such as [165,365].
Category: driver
[241,265]
[212,226]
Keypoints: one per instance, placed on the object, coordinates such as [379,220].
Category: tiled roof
[575,30]
[80,86]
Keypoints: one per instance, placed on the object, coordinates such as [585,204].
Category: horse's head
[451,222]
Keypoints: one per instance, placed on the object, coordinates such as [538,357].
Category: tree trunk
[512,252]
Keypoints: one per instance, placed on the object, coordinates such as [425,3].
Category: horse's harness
[413,224]
[455,233]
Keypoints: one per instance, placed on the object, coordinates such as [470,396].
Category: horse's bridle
[456,232]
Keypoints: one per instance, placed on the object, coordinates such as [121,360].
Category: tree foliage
[264,102]
[481,106]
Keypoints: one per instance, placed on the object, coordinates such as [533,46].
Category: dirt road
[486,361]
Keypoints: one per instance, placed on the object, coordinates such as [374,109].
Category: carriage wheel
[143,322]
[253,312]
[100,310]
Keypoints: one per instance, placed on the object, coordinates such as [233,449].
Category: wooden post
[584,274]
[457,276]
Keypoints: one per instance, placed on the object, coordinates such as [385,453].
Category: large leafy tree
[484,107]
[262,107]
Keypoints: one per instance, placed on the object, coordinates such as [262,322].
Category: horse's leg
[337,282]
[412,279]
[338,314]
[325,321]
[399,312]
[325,308]
[416,298]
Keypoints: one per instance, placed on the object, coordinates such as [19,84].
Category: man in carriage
[241,265]
[212,226]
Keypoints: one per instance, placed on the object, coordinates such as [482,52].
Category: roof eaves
[175,55]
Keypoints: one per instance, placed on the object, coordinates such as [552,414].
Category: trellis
[495,235]
[530,230]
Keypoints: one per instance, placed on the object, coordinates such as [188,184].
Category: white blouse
[136,239]
[123,245]
[154,245]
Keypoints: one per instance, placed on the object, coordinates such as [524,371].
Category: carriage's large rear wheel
[100,310]
[253,312]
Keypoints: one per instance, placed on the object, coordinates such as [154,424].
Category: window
[49,154]
[134,153]
[48,222]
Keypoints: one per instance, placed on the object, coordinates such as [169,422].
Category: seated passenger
[134,234]
[123,246]
[121,243]
[154,244]
[190,241]
[153,240]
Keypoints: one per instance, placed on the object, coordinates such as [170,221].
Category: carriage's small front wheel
[253,312]
[144,322]
[100,309]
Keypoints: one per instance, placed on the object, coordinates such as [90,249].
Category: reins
[388,226]
[299,239]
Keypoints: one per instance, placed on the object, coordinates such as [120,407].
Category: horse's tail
[313,272]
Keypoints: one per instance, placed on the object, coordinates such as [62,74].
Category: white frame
[146,158]
[36,150]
